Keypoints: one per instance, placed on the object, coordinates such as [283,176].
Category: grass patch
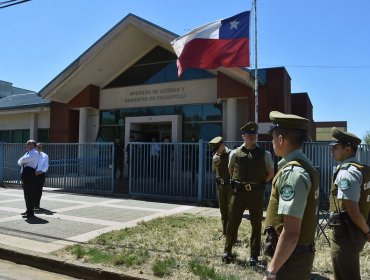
[205,272]
[187,246]
[131,257]
[164,267]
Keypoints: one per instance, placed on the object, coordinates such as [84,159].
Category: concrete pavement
[66,219]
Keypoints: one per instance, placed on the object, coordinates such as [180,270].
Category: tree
[367,137]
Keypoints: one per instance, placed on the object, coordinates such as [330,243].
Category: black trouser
[39,184]
[28,184]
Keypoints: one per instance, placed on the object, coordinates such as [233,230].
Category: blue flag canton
[235,27]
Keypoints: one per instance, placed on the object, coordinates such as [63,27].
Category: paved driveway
[72,218]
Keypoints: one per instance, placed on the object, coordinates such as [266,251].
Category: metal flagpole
[255,62]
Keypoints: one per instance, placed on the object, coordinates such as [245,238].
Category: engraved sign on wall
[187,92]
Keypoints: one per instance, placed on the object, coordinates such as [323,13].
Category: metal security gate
[180,171]
[84,167]
[166,170]
[184,170]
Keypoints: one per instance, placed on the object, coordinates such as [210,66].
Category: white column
[33,126]
[82,132]
[231,119]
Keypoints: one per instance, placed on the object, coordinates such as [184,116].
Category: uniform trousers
[297,267]
[240,201]
[224,193]
[345,253]
[28,185]
[39,184]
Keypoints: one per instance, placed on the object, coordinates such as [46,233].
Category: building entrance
[157,131]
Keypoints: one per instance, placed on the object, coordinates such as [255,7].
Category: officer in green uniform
[350,206]
[220,163]
[292,208]
[251,167]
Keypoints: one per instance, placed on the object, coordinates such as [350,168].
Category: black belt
[223,181]
[304,248]
[246,187]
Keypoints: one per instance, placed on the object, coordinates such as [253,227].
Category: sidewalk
[67,219]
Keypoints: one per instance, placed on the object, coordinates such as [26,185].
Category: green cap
[215,143]
[344,138]
[287,121]
[250,128]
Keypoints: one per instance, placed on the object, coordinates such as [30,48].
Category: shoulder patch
[344,184]
[287,192]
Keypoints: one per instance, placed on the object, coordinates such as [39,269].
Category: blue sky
[323,44]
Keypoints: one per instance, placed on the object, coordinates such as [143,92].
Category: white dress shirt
[43,163]
[30,159]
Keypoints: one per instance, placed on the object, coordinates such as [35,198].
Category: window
[202,120]
[157,66]
[15,136]
[43,135]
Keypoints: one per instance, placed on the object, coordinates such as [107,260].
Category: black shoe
[36,208]
[227,257]
[253,261]
[30,216]
[24,213]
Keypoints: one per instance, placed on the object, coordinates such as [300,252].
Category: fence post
[1,162]
[200,170]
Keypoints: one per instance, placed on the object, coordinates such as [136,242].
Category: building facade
[126,84]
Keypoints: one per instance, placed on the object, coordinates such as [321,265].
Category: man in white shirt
[28,163]
[42,167]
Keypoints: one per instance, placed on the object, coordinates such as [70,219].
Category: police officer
[292,207]
[251,167]
[351,205]
[220,163]
[28,163]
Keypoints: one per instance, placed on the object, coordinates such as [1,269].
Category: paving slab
[67,219]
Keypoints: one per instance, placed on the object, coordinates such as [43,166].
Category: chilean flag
[220,43]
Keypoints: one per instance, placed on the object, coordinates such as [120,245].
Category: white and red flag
[221,43]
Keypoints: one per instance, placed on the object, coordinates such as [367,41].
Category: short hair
[32,142]
[354,148]
[294,136]
[39,144]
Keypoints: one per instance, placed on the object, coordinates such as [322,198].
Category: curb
[58,265]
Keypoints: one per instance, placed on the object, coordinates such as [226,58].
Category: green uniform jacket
[220,164]
[364,202]
[308,226]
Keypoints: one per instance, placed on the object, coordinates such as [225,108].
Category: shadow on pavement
[44,211]
[36,220]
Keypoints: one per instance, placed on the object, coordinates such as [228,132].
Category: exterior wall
[64,123]
[302,106]
[275,95]
[88,97]
[21,120]
[323,129]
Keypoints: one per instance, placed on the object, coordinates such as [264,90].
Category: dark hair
[294,136]
[354,148]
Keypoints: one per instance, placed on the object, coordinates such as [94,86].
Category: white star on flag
[234,24]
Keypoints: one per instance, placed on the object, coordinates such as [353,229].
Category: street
[13,271]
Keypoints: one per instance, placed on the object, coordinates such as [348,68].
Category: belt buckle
[248,187]
[222,182]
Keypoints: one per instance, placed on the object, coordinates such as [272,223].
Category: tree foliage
[367,137]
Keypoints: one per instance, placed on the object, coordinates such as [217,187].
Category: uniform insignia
[250,155]
[344,184]
[287,192]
